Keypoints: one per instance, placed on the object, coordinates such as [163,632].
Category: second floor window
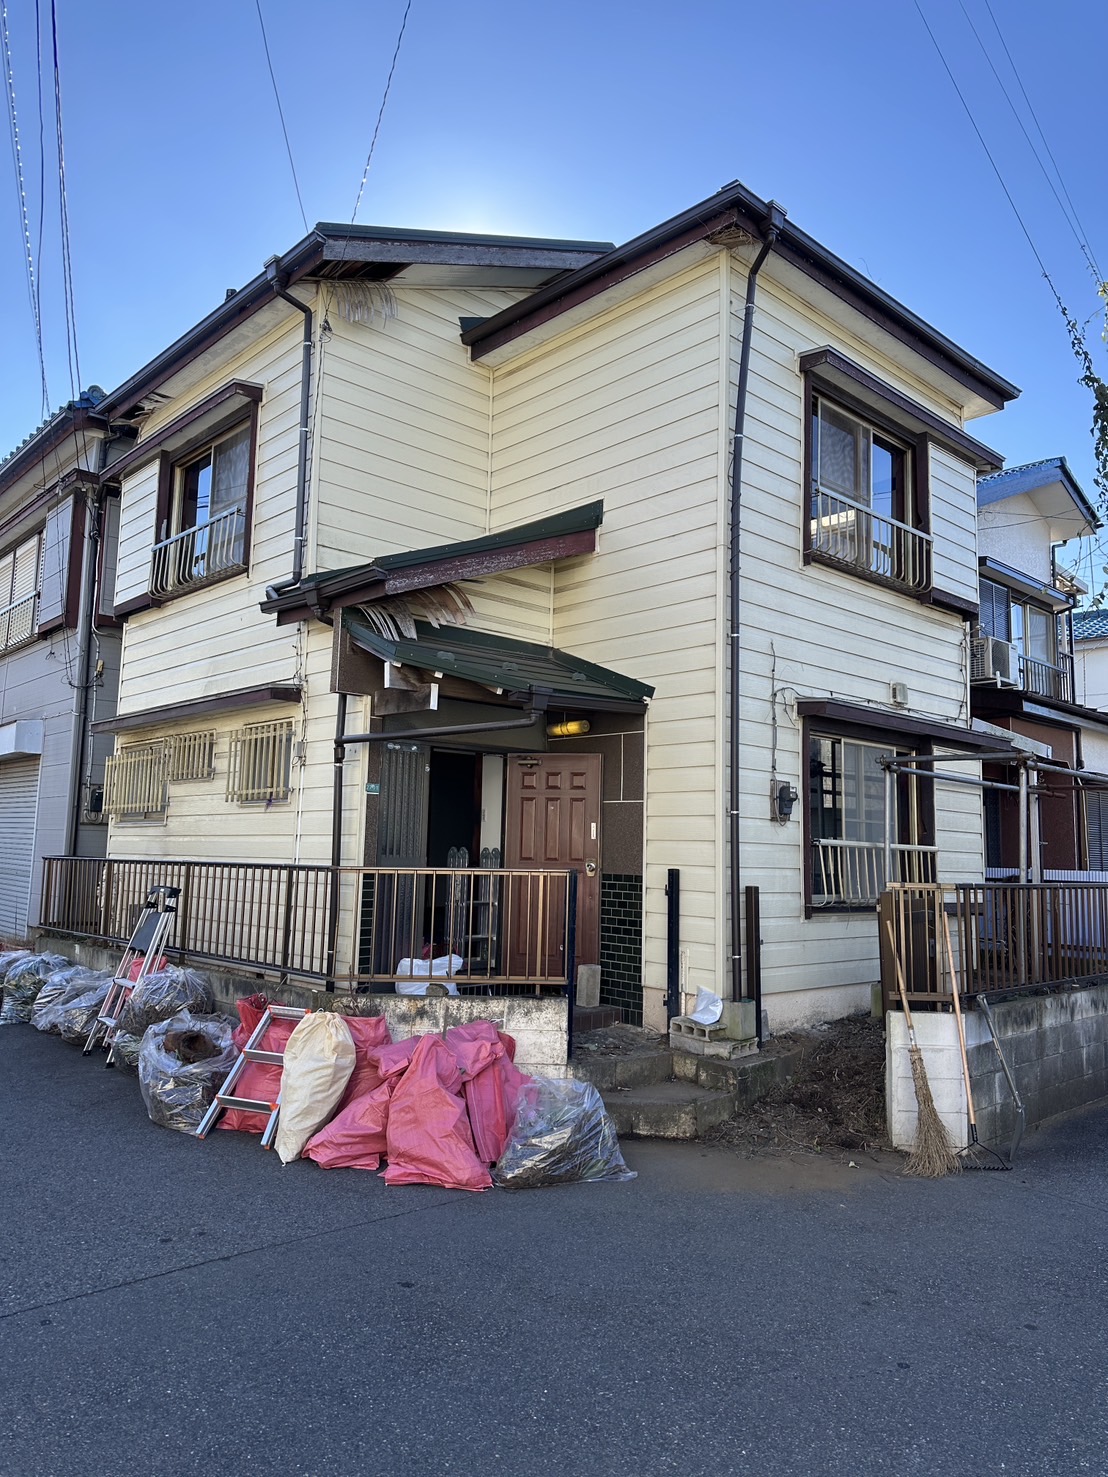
[20,572]
[864,510]
[205,536]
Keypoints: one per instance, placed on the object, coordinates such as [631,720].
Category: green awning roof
[519,668]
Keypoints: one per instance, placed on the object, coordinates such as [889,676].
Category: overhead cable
[21,189]
[281,115]
[63,205]
[380,113]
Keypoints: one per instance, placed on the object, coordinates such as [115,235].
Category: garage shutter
[18,807]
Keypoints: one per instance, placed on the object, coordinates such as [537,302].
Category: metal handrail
[502,930]
[854,871]
[849,533]
[19,617]
[196,555]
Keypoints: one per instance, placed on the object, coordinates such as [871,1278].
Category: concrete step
[667,1110]
[606,1073]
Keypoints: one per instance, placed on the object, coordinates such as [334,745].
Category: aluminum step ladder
[254,1051]
[151,933]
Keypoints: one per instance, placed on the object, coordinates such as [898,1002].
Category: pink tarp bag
[370,1033]
[428,1136]
[491,1084]
[355,1138]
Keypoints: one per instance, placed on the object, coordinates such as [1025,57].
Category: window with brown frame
[868,497]
[204,496]
[20,583]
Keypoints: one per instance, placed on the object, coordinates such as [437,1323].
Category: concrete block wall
[1056,1046]
[539,1024]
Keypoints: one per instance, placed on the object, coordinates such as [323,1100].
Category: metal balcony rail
[854,871]
[17,621]
[848,533]
[199,554]
[1008,938]
[1043,679]
[472,930]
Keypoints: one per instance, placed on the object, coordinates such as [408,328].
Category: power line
[63,209]
[380,113]
[21,189]
[1066,213]
[281,114]
[992,161]
[1046,145]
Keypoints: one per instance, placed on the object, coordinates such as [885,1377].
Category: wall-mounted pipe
[775,220]
[299,538]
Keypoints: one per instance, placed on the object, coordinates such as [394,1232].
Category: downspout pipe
[78,738]
[300,535]
[774,223]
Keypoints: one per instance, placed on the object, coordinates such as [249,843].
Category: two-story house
[1022,667]
[59,647]
[639,562]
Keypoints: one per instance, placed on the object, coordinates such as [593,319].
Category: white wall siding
[1015,533]
[953,525]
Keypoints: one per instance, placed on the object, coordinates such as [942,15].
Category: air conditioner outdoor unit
[995,661]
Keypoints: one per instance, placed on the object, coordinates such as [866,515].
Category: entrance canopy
[518,671]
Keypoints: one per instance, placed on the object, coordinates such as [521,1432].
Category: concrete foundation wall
[1056,1046]
[538,1024]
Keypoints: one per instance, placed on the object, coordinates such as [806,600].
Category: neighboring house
[59,647]
[343,519]
[1022,666]
[1090,656]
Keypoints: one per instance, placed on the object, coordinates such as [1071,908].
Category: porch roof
[513,668]
[559,536]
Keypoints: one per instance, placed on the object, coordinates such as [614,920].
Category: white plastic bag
[319,1058]
[414,975]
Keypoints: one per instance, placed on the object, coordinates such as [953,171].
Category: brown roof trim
[834,710]
[836,370]
[225,702]
[735,206]
[149,446]
[47,441]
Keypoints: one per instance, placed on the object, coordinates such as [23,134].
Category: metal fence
[472,930]
[1007,938]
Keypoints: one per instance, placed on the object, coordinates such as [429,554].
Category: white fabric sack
[708,1007]
[414,975]
[319,1058]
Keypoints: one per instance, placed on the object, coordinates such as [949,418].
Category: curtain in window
[844,454]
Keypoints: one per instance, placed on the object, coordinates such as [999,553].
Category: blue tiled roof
[87,400]
[1032,475]
[1090,625]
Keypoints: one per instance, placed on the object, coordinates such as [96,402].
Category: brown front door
[552,819]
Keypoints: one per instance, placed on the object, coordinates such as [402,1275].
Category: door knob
[590,869]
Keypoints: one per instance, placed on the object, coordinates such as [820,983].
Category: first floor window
[847,824]
[260,768]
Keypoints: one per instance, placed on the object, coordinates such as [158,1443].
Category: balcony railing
[1043,679]
[849,534]
[17,622]
[1006,938]
[853,872]
[498,931]
[199,555]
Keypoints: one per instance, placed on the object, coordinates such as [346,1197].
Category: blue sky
[594,120]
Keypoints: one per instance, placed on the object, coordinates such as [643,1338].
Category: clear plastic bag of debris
[62,992]
[561,1135]
[8,957]
[160,996]
[22,983]
[76,1018]
[182,1065]
[125,1051]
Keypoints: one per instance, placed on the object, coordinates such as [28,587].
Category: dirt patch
[618,1041]
[834,1103]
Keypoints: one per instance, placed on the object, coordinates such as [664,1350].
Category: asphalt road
[171,1307]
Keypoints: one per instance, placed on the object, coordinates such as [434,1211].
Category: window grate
[192,755]
[136,780]
[260,768]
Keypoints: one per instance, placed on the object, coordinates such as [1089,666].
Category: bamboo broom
[933,1155]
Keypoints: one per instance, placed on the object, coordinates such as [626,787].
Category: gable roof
[737,212]
[1052,487]
[362,253]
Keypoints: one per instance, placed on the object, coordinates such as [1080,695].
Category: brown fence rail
[470,929]
[1006,937]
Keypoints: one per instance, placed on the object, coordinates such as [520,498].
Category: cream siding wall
[404,429]
[1090,664]
[953,488]
[628,408]
[216,639]
[815,632]
[518,604]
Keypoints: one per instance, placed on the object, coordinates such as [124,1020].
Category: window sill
[922,596]
[163,596]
